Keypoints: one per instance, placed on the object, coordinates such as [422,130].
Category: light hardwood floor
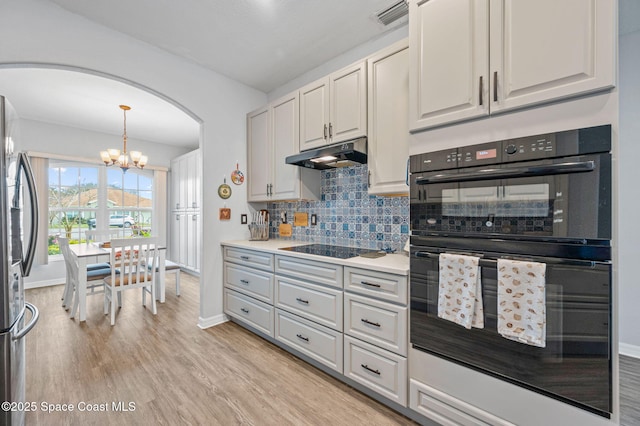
[174,373]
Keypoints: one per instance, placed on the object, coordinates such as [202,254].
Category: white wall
[70,141]
[341,61]
[36,31]
[629,206]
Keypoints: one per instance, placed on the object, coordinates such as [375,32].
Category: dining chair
[101,235]
[131,256]
[95,277]
[169,268]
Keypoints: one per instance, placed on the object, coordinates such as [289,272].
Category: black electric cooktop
[328,250]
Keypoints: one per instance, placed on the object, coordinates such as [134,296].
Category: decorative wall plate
[224,191]
[237,177]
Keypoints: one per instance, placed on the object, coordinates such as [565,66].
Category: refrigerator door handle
[35,314]
[25,164]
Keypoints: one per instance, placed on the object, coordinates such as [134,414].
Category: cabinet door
[193,180]
[449,61]
[348,97]
[388,136]
[314,115]
[259,155]
[176,188]
[286,137]
[546,49]
[179,183]
[193,241]
[174,246]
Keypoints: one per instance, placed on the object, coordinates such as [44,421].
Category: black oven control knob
[511,149]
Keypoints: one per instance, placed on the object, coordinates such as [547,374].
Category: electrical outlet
[314,220]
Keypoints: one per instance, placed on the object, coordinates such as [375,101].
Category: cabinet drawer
[253,312]
[393,288]
[382,371]
[254,259]
[380,323]
[447,410]
[254,283]
[309,270]
[318,342]
[317,303]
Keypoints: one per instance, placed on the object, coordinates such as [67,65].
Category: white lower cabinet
[246,280]
[257,314]
[317,303]
[359,331]
[446,410]
[376,331]
[318,342]
[378,369]
[381,323]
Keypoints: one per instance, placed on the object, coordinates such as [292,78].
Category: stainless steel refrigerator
[18,235]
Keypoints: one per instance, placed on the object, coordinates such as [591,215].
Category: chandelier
[123,160]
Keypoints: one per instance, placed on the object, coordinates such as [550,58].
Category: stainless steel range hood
[343,154]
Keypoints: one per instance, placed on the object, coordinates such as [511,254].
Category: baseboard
[45,283]
[212,321]
[629,350]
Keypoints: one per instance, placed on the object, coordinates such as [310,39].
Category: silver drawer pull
[301,337]
[366,321]
[366,367]
[244,257]
[246,311]
[306,302]
[370,284]
[244,281]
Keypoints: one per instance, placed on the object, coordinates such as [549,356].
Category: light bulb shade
[114,154]
[135,156]
[143,160]
[106,158]
[124,160]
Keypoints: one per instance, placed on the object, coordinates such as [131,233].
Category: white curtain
[159,220]
[40,168]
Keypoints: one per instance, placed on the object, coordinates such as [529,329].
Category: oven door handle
[486,174]
[493,262]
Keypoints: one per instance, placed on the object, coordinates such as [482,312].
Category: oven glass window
[526,201]
[509,206]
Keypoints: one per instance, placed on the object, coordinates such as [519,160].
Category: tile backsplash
[347,215]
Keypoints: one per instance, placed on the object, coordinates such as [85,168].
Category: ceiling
[261,43]
[92,102]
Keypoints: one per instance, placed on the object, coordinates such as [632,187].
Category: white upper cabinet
[185,181]
[286,137]
[449,49]
[334,109]
[259,155]
[272,135]
[571,54]
[471,58]
[388,103]
[314,114]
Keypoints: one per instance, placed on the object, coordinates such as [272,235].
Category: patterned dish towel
[521,301]
[460,290]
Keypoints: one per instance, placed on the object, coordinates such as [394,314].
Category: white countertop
[391,263]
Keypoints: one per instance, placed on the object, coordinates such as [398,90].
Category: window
[73,195]
[88,196]
[130,200]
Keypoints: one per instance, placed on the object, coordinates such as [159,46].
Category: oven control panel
[529,148]
[566,143]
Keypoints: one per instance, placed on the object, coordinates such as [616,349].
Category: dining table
[87,253]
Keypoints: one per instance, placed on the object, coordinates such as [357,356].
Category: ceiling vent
[393,12]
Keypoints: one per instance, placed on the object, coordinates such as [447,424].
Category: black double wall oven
[546,199]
